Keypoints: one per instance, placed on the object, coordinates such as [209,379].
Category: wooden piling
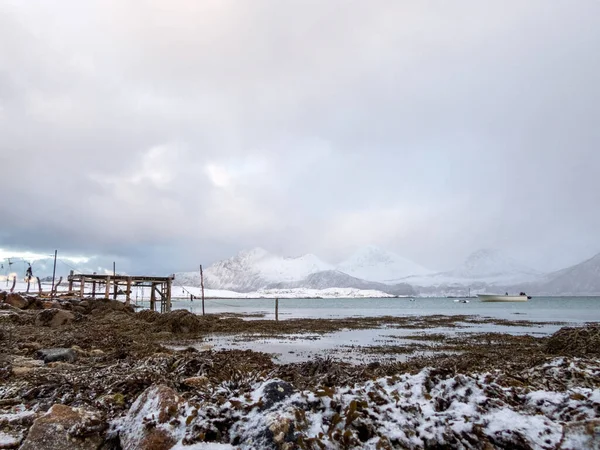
[169,295]
[107,291]
[82,288]
[39,285]
[153,297]
[128,293]
[28,284]
[277,310]
[12,289]
[57,285]
[71,281]
[202,287]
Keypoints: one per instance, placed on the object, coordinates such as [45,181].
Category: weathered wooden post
[107,290]
[153,297]
[116,282]
[128,293]
[277,310]
[57,285]
[71,281]
[82,288]
[169,295]
[94,286]
[28,284]
[202,287]
[12,289]
[39,285]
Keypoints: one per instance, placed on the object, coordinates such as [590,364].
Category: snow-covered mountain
[483,266]
[374,264]
[580,279]
[493,266]
[335,279]
[253,270]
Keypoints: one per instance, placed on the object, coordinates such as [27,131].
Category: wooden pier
[107,286]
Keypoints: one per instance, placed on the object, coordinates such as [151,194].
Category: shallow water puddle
[386,344]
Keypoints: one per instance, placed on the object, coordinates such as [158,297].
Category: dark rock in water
[49,355]
[158,431]
[3,295]
[17,300]
[276,392]
[64,427]
[54,318]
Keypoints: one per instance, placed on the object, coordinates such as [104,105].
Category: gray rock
[276,392]
[17,300]
[49,355]
[64,427]
[54,318]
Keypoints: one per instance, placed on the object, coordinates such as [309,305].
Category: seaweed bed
[121,365]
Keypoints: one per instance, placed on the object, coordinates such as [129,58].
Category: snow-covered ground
[429,409]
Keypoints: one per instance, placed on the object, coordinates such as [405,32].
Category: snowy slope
[483,266]
[253,270]
[374,264]
[580,279]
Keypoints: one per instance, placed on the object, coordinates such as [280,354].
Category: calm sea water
[344,344]
[538,309]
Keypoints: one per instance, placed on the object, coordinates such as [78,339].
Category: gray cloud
[171,133]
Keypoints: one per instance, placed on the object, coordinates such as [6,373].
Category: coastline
[120,376]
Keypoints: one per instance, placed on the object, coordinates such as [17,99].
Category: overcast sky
[168,133]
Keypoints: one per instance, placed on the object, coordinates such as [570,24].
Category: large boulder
[16,300]
[54,318]
[151,422]
[65,427]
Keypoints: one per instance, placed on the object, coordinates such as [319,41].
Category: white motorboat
[503,298]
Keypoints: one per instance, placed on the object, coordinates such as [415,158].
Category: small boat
[461,300]
[522,297]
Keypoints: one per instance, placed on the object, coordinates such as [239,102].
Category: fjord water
[538,309]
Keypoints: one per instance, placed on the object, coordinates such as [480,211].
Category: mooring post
[28,283]
[94,289]
[128,294]
[57,285]
[12,289]
[169,295]
[107,291]
[116,282]
[153,297]
[202,287]
[71,281]
[82,288]
[39,285]
[277,310]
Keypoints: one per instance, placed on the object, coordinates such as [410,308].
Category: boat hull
[502,298]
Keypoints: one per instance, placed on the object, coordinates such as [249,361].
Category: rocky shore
[96,374]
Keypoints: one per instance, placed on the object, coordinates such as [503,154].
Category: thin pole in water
[276,310]
[53,274]
[202,287]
